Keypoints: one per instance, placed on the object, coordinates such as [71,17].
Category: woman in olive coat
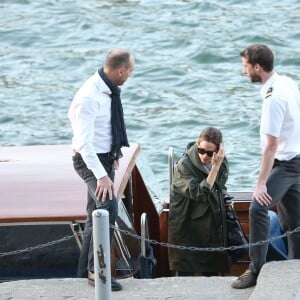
[197,212]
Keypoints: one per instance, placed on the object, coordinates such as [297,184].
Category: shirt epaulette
[269,93]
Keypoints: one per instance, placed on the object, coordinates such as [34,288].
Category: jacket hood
[192,153]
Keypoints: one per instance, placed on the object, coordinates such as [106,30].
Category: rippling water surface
[187,75]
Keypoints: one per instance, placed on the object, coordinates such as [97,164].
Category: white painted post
[101,255]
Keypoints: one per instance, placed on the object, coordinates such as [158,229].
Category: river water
[187,74]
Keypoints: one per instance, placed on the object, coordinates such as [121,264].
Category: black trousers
[283,186]
[86,259]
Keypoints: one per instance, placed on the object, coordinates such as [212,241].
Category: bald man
[99,132]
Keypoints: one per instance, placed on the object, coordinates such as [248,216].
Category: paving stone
[277,281]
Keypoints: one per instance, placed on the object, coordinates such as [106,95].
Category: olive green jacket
[197,216]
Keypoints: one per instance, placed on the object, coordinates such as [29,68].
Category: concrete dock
[278,280]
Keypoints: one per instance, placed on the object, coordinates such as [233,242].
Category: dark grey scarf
[119,136]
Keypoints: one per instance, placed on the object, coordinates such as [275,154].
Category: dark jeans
[283,186]
[86,259]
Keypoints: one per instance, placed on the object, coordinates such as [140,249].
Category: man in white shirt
[99,132]
[278,181]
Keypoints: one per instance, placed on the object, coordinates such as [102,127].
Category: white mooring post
[101,255]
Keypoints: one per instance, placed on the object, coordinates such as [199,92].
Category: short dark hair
[259,54]
[118,59]
[212,135]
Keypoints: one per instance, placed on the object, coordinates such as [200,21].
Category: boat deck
[39,185]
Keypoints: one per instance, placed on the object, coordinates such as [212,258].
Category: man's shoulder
[284,86]
[94,85]
[284,81]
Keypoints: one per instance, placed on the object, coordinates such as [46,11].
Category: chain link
[30,249]
[154,242]
[206,249]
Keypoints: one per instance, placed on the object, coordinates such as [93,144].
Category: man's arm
[260,193]
[85,115]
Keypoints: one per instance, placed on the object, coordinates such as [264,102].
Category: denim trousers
[86,258]
[283,186]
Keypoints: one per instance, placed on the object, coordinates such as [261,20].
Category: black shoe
[115,285]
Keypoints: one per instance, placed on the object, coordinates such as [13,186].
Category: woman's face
[205,151]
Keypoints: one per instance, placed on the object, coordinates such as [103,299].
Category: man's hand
[261,195]
[104,186]
[260,192]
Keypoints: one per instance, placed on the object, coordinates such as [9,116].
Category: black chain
[207,249]
[29,249]
[154,242]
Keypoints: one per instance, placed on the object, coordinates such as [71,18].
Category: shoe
[91,279]
[246,280]
[115,285]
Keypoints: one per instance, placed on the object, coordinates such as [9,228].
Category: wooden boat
[42,199]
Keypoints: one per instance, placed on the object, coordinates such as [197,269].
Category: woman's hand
[216,162]
[218,157]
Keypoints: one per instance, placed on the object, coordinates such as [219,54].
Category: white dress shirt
[90,116]
[280,115]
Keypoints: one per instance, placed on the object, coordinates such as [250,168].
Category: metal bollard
[101,255]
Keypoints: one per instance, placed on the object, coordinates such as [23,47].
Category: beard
[255,78]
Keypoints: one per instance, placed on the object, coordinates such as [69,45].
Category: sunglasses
[203,151]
